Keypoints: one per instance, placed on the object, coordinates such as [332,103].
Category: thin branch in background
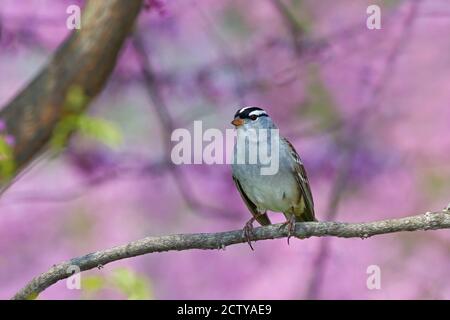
[74,193]
[351,146]
[220,240]
[316,49]
[153,89]
[292,24]
[229,59]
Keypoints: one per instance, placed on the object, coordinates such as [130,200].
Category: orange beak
[237,122]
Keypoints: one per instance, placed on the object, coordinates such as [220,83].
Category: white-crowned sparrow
[286,191]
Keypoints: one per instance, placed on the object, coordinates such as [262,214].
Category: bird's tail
[307,215]
[303,216]
[263,219]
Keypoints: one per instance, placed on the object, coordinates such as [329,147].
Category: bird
[287,191]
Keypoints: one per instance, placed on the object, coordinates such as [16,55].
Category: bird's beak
[237,122]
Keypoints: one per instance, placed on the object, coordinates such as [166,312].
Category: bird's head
[252,118]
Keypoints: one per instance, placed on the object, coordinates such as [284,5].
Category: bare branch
[220,240]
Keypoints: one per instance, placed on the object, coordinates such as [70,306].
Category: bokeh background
[368,111]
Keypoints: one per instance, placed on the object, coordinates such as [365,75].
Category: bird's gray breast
[276,192]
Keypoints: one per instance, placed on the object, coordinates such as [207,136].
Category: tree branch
[84,61]
[220,240]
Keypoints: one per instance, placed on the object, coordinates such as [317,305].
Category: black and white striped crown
[247,112]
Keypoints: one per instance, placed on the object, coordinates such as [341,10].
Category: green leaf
[95,128]
[76,99]
[32,296]
[73,119]
[7,163]
[100,130]
[63,130]
[92,283]
[132,285]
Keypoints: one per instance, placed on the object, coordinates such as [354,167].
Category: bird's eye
[253,117]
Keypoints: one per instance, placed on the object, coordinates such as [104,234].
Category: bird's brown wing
[304,188]
[262,218]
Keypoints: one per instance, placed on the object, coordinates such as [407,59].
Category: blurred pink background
[368,111]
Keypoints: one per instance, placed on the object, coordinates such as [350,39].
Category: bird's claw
[248,232]
[290,225]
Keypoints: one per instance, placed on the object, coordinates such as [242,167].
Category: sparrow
[287,191]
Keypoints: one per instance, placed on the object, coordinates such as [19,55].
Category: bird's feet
[248,231]
[290,225]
